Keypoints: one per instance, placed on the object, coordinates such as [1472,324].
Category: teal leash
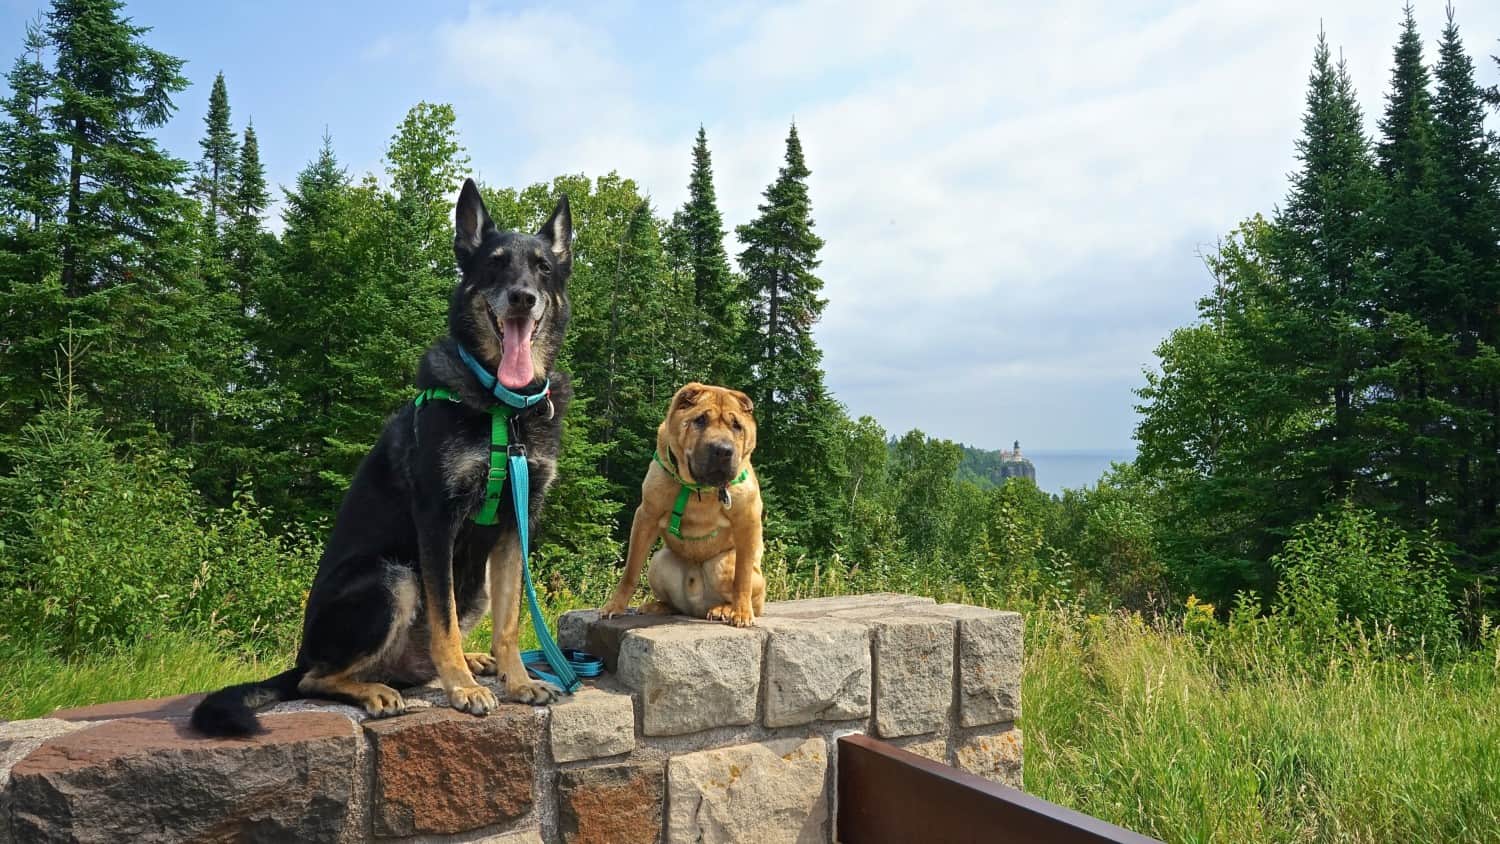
[566,665]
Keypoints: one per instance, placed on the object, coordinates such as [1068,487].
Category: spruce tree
[121,195]
[245,238]
[799,421]
[1468,283]
[1323,252]
[718,298]
[214,184]
[1408,335]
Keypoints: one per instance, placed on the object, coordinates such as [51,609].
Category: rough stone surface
[592,724]
[764,793]
[822,607]
[155,780]
[177,706]
[17,739]
[692,675]
[573,628]
[442,771]
[610,803]
[989,664]
[991,752]
[930,746]
[603,637]
[913,674]
[816,670]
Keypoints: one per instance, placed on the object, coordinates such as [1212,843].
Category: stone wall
[698,732]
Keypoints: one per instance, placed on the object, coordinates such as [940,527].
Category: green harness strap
[494,485]
[674,525]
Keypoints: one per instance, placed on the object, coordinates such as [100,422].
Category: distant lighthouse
[1014,465]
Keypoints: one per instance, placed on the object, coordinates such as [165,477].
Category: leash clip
[516,450]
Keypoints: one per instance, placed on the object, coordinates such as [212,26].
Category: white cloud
[1012,196]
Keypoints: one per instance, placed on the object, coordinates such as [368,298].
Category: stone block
[592,724]
[913,658]
[609,803]
[692,675]
[17,739]
[766,792]
[817,669]
[157,781]
[932,746]
[603,637]
[573,628]
[443,772]
[991,752]
[821,607]
[989,664]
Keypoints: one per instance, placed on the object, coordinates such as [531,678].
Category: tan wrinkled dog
[710,566]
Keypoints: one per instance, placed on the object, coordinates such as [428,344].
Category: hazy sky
[1013,194]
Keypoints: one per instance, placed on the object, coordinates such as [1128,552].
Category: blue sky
[1013,194]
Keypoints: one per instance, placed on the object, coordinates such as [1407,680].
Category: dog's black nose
[520,297]
[721,452]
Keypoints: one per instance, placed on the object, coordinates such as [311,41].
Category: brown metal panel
[889,795]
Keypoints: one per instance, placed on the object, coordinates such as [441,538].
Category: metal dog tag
[724,497]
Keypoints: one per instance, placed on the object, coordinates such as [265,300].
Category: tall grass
[1144,726]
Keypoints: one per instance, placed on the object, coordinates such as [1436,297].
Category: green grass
[1148,728]
[33,683]
[1145,726]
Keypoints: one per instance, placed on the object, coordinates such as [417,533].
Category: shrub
[1353,577]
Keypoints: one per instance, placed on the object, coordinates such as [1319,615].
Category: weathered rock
[816,669]
[530,835]
[602,637]
[991,752]
[767,792]
[692,675]
[610,803]
[17,739]
[822,607]
[989,664]
[442,771]
[592,724]
[913,657]
[155,780]
[931,746]
[573,628]
[158,708]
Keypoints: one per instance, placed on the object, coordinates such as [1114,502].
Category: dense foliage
[187,393]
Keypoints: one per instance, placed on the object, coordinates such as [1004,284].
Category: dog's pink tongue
[515,359]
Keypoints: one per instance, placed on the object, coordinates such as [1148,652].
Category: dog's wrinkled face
[713,431]
[511,305]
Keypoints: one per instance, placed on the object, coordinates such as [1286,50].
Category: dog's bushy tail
[230,712]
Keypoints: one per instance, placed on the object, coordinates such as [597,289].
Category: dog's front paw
[534,692]
[735,615]
[614,607]
[382,701]
[475,699]
[480,663]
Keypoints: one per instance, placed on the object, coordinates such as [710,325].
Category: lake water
[1068,469]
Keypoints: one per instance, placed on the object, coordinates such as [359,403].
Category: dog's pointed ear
[687,395]
[557,232]
[471,221]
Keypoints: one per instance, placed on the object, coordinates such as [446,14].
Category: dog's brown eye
[735,423]
[701,421]
[543,267]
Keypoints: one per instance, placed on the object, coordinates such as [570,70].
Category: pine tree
[718,298]
[30,168]
[121,187]
[1408,335]
[1468,283]
[1319,336]
[245,238]
[799,421]
[214,185]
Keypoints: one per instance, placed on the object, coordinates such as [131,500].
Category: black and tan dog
[702,498]
[407,571]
